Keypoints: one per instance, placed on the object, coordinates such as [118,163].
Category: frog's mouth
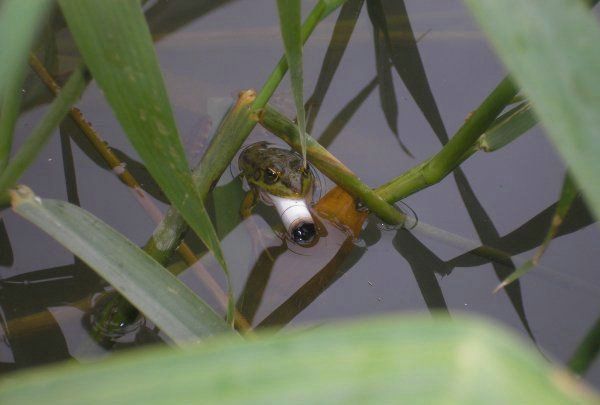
[297,220]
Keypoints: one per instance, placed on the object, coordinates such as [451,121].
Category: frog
[279,177]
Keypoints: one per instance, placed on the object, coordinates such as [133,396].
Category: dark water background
[235,47]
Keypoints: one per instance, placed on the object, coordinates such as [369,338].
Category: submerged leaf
[171,305]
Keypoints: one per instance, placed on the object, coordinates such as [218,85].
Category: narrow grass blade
[289,23]
[399,359]
[587,351]
[173,307]
[567,196]
[507,127]
[342,31]
[114,40]
[41,133]
[552,48]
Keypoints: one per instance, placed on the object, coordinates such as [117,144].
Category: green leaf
[171,305]
[290,25]
[552,48]
[400,359]
[507,127]
[19,22]
[114,40]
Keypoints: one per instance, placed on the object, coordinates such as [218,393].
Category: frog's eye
[271,176]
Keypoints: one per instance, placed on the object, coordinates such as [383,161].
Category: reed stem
[455,151]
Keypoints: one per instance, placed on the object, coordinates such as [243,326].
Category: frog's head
[276,171]
[281,179]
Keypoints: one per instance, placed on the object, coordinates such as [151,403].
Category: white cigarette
[296,219]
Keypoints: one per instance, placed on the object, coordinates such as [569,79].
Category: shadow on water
[256,283]
[424,265]
[6,252]
[342,31]
[347,255]
[382,45]
[30,329]
[406,59]
[333,129]
[489,236]
[532,233]
[167,16]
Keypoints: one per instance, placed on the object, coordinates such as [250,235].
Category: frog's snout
[297,220]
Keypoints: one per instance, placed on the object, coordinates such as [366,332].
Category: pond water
[503,198]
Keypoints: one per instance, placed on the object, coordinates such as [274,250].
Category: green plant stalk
[284,128]
[42,132]
[225,144]
[451,155]
[587,351]
[289,25]
[8,117]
